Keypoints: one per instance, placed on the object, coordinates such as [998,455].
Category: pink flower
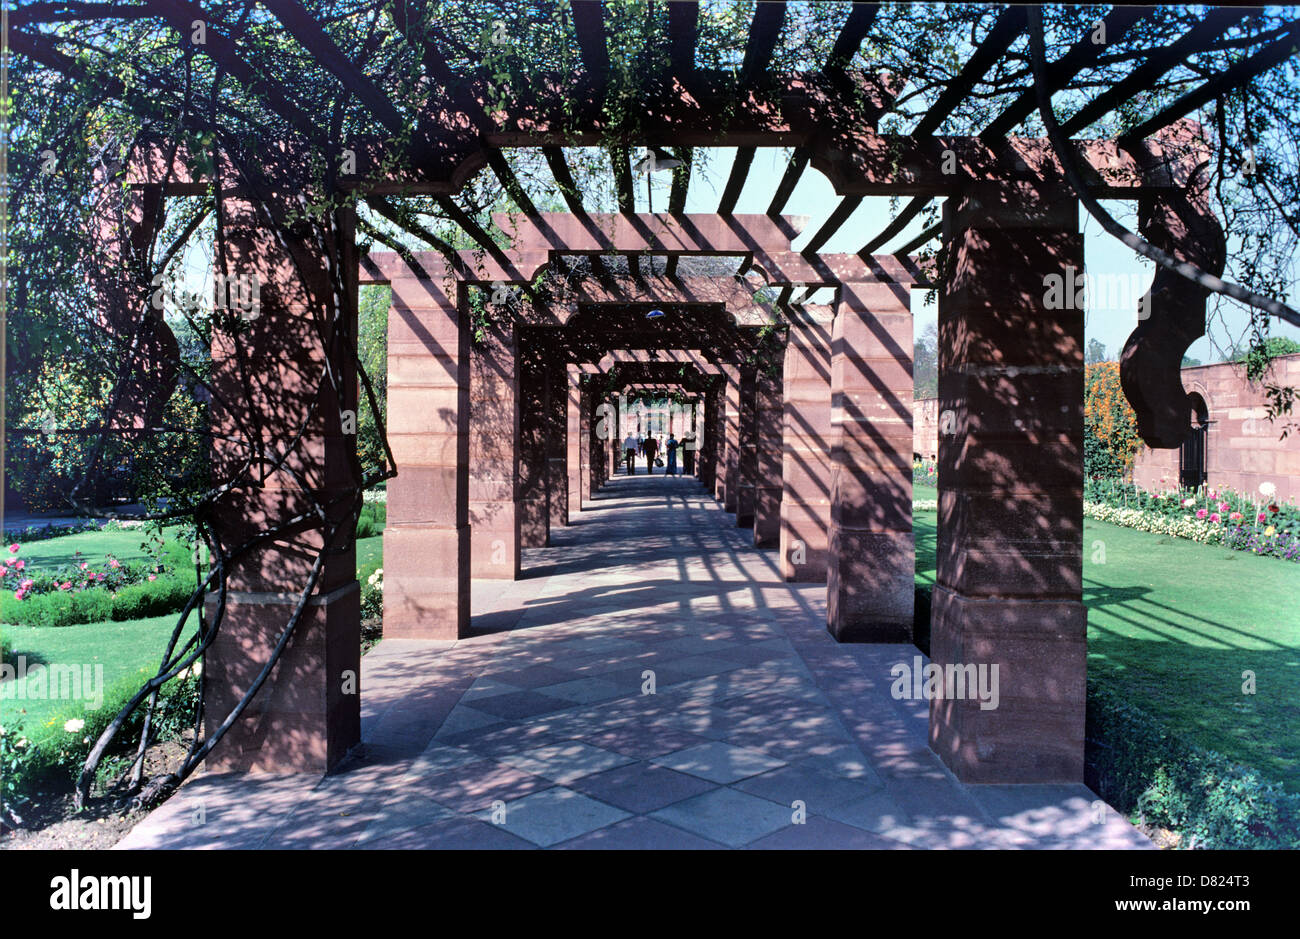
[1201,513]
[19,565]
[66,585]
[19,594]
[1235,517]
[26,584]
[113,563]
[1260,517]
[84,565]
[13,549]
[1188,503]
[1223,506]
[1214,517]
[99,577]
[153,577]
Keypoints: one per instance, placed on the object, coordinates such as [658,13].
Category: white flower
[20,743]
[74,725]
[1267,489]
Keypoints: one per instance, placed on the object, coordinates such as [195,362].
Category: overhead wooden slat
[736,180]
[681,181]
[311,36]
[1082,54]
[1235,76]
[837,218]
[930,233]
[847,43]
[564,179]
[683,30]
[497,160]
[764,30]
[793,170]
[1009,26]
[621,159]
[589,24]
[473,229]
[1006,29]
[1216,23]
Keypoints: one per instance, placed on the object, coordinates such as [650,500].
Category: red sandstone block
[870,586]
[428,496]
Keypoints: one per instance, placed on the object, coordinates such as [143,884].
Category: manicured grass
[126,648]
[921,493]
[370,551]
[1173,624]
[93,545]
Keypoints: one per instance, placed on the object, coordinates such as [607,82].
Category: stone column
[301,719]
[872,563]
[747,458]
[427,535]
[707,457]
[806,452]
[585,462]
[729,439]
[494,455]
[768,420]
[574,438]
[557,447]
[533,520]
[1009,580]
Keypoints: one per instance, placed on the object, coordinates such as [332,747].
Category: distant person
[688,454]
[650,446]
[672,455]
[630,447]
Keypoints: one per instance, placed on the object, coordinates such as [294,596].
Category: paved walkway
[761,732]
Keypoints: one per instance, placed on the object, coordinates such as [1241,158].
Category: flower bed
[1207,515]
[88,591]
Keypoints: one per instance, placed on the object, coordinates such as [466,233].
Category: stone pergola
[484,441]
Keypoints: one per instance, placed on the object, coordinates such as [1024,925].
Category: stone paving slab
[761,732]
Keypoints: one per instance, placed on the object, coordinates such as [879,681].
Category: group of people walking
[652,447]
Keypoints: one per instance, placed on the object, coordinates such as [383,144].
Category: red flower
[1273,508]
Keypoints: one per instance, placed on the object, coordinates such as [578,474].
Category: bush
[54,761]
[372,591]
[371,520]
[1132,763]
[1110,433]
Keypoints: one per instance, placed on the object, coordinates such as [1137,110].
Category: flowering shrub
[1110,434]
[925,473]
[925,505]
[82,592]
[372,594]
[52,755]
[42,532]
[1208,515]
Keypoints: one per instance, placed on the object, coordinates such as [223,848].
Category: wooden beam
[564,179]
[1232,77]
[681,181]
[736,180]
[793,170]
[683,29]
[304,27]
[837,218]
[1216,23]
[621,159]
[847,43]
[1082,54]
[1009,27]
[764,30]
[589,24]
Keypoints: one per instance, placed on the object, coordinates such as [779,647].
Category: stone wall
[1243,449]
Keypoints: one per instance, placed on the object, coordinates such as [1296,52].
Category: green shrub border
[1134,764]
[1142,770]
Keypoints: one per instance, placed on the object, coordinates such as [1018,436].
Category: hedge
[1143,770]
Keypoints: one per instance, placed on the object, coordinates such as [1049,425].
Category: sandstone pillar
[807,439]
[747,457]
[768,421]
[872,561]
[1009,580]
[494,455]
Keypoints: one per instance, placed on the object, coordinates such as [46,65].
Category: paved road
[761,732]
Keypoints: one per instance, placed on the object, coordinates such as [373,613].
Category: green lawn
[1172,624]
[93,545]
[370,551]
[133,647]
